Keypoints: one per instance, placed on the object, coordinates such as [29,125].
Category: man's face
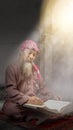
[29,55]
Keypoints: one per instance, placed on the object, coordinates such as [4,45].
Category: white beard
[26,69]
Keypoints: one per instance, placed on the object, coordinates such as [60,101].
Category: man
[24,83]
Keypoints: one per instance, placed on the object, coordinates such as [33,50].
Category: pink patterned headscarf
[30,45]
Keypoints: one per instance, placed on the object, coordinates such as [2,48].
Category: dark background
[18,18]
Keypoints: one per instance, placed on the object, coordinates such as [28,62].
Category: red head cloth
[29,44]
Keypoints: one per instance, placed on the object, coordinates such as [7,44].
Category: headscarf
[29,44]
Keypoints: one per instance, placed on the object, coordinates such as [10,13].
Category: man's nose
[31,56]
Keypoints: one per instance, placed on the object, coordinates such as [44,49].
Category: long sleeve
[11,87]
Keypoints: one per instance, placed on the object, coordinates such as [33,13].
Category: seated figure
[24,83]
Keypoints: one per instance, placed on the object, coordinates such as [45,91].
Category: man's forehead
[26,50]
[29,50]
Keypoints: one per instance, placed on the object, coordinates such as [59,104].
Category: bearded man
[24,83]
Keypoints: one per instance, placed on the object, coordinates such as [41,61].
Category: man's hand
[58,98]
[34,100]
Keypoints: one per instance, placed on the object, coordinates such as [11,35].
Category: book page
[34,105]
[56,105]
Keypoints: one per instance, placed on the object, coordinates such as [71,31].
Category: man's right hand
[34,100]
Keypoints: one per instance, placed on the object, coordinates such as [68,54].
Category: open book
[54,106]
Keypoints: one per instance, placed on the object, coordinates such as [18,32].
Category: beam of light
[45,15]
[59,14]
[62,15]
[56,25]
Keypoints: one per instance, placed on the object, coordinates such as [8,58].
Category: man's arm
[11,87]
